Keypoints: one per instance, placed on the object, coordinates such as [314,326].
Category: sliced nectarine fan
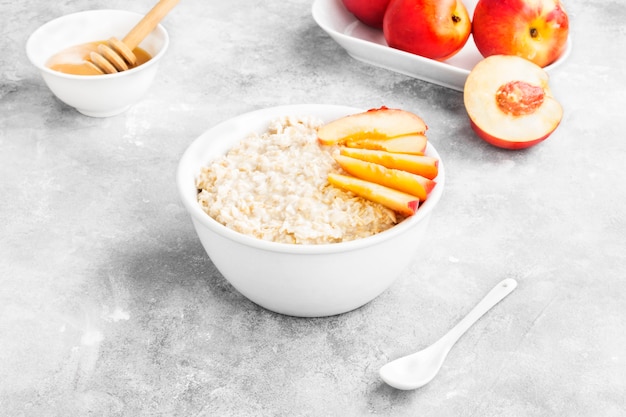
[382,150]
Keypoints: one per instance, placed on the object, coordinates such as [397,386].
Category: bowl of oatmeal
[256,190]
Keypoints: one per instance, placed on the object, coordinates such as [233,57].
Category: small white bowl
[97,95]
[299,280]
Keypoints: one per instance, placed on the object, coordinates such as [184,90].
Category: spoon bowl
[418,369]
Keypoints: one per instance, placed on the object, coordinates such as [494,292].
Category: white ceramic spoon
[416,370]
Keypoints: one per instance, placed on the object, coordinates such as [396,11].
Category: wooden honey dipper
[115,55]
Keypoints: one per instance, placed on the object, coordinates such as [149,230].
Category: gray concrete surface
[110,307]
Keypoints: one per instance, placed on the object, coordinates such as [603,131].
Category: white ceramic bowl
[100,95]
[299,280]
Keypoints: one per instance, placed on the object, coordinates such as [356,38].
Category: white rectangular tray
[368,45]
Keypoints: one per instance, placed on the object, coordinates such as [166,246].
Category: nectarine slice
[393,178]
[423,165]
[395,200]
[509,102]
[381,123]
[413,144]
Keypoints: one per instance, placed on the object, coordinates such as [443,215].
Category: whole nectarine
[370,12]
[533,29]
[435,29]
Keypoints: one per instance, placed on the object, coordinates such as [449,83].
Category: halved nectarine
[395,200]
[393,178]
[424,165]
[509,102]
[412,144]
[381,123]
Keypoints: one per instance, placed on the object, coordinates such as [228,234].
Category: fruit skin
[533,29]
[506,144]
[380,123]
[395,200]
[370,12]
[511,125]
[435,29]
[397,179]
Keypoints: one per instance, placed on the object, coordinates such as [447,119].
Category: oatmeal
[274,187]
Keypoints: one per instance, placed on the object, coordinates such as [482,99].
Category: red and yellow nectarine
[370,12]
[533,29]
[435,29]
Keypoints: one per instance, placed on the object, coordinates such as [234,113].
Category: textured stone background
[110,307]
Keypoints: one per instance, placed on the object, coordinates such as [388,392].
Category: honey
[73,60]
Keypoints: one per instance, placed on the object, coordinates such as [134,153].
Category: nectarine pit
[519,98]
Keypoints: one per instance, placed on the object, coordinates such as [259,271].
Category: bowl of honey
[60,50]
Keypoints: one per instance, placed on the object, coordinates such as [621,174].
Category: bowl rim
[200,216]
[151,62]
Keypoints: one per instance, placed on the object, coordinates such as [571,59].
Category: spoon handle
[148,23]
[492,298]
